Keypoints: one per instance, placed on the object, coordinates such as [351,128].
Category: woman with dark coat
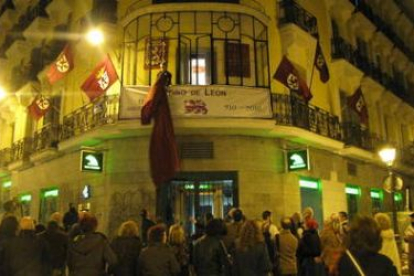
[8,230]
[309,251]
[251,256]
[89,251]
[363,243]
[179,246]
[209,256]
[26,254]
[157,259]
[127,246]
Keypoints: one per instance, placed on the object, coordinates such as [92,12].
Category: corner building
[236,126]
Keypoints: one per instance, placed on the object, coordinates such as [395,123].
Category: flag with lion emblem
[39,107]
[287,74]
[101,78]
[61,66]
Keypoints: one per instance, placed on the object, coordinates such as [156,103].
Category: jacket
[88,255]
[127,250]
[372,264]
[253,261]
[209,258]
[158,260]
[57,242]
[389,248]
[25,255]
[288,245]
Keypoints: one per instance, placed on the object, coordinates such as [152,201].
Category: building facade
[241,133]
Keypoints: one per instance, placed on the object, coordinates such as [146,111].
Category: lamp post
[391,183]
[3,93]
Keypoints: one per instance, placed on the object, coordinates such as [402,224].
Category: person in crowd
[361,257]
[56,216]
[307,214]
[9,228]
[57,242]
[343,225]
[127,246]
[409,238]
[309,250]
[157,259]
[331,246]
[286,247]
[233,230]
[146,224]
[89,251]
[296,225]
[269,231]
[207,218]
[210,256]
[26,254]
[251,257]
[179,246]
[389,246]
[70,217]
[39,228]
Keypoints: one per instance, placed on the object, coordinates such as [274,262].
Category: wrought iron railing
[46,138]
[292,111]
[5,157]
[21,149]
[291,12]
[102,111]
[407,155]
[357,135]
[343,49]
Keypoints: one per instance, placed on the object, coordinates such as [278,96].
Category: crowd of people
[235,246]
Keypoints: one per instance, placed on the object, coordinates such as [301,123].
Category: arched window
[201,48]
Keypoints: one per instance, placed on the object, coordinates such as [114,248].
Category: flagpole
[313,65]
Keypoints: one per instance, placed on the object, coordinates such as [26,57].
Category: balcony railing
[291,111]
[383,27]
[102,111]
[291,12]
[21,149]
[45,138]
[5,157]
[342,49]
[359,136]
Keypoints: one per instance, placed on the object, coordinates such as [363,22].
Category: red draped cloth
[163,154]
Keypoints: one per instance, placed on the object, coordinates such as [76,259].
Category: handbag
[355,263]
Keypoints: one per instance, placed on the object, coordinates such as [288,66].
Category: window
[377,199]
[201,48]
[353,195]
[399,202]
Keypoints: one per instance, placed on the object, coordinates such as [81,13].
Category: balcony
[5,157]
[102,111]
[21,150]
[290,111]
[295,14]
[45,138]
[359,136]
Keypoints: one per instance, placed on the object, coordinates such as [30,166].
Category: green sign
[26,198]
[91,161]
[297,160]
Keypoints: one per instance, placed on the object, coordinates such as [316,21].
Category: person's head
[343,216]
[88,223]
[163,65]
[52,226]
[266,215]
[250,234]
[383,220]
[9,226]
[364,235]
[176,235]
[286,223]
[308,213]
[208,217]
[56,216]
[157,234]
[238,215]
[144,213]
[296,218]
[311,224]
[27,223]
[216,228]
[128,229]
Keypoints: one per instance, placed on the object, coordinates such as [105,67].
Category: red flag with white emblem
[287,74]
[61,66]
[39,107]
[101,78]
[320,63]
[357,103]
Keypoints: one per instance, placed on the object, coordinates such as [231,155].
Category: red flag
[320,63]
[357,103]
[287,74]
[163,152]
[101,78]
[39,107]
[62,65]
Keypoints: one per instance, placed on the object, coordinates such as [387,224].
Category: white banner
[202,101]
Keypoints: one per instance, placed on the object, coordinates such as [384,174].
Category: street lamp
[95,37]
[3,93]
[392,183]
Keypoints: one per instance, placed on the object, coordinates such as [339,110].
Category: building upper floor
[232,48]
